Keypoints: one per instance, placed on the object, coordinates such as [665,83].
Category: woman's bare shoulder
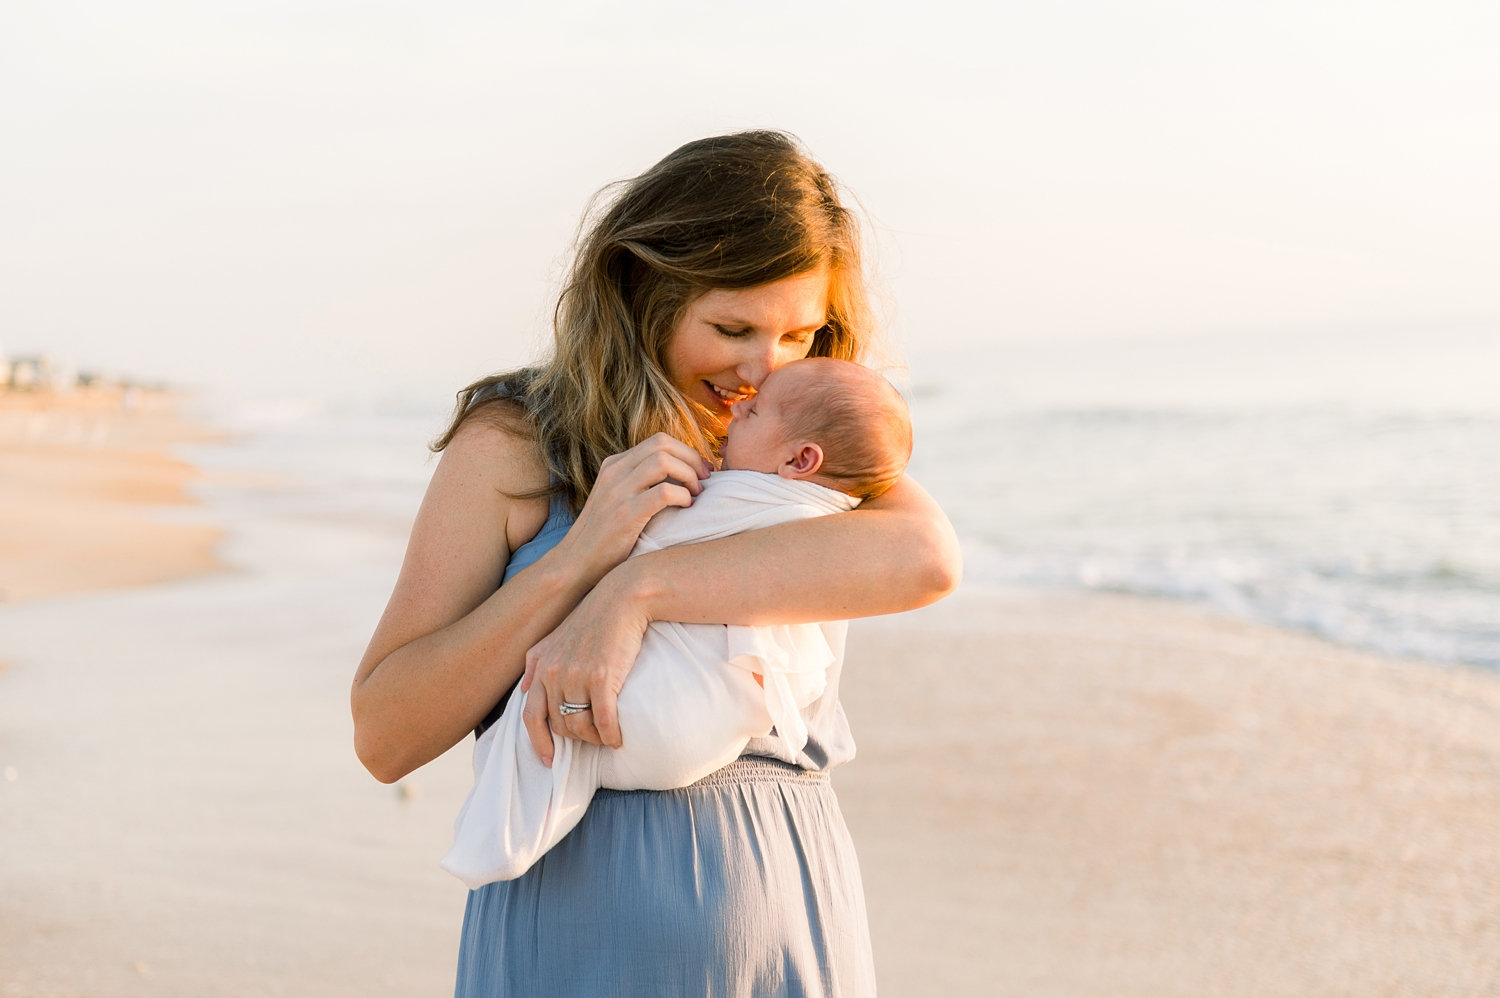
[473,516]
[489,470]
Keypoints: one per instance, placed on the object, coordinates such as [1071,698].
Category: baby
[820,436]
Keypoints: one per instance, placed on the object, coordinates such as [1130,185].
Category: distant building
[37,373]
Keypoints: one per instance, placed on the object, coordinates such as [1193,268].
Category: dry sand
[1056,795]
[83,480]
[1109,796]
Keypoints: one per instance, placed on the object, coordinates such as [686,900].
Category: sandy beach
[1086,794]
[86,482]
[1057,794]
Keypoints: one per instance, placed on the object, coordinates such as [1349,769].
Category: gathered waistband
[746,769]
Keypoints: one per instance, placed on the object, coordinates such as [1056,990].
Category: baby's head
[829,421]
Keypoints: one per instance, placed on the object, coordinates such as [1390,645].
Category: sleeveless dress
[743,885]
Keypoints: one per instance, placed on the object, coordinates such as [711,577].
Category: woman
[727,259]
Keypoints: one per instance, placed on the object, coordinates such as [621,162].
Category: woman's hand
[632,487]
[584,661]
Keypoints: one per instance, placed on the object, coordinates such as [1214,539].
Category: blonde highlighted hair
[731,212]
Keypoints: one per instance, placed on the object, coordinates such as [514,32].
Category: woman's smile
[728,340]
[728,396]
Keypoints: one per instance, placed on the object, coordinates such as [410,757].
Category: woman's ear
[806,460]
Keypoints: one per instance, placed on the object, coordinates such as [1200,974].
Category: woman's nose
[760,359]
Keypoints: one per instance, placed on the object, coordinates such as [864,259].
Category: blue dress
[743,885]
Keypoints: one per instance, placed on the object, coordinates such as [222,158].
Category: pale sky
[286,193]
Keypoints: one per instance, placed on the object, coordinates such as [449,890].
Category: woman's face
[728,341]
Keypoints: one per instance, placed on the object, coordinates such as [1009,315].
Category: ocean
[1345,483]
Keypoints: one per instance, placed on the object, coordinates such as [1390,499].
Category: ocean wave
[1440,614]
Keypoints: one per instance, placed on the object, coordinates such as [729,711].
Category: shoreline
[93,496]
[1235,614]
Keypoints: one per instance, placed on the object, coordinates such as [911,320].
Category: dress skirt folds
[743,885]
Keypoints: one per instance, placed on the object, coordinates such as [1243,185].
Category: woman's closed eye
[740,333]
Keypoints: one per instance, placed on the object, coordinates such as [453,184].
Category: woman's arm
[897,552]
[894,553]
[450,642]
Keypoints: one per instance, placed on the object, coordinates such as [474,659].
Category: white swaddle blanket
[688,707]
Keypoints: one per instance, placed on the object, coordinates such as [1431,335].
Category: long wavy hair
[733,211]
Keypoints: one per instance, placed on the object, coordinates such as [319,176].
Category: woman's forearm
[450,643]
[896,553]
[424,696]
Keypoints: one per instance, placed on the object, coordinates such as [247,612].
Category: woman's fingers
[606,719]
[531,660]
[534,716]
[548,713]
[597,722]
[660,468]
[666,444]
[570,722]
[631,488]
[589,655]
[657,459]
[543,717]
[600,724]
[659,497]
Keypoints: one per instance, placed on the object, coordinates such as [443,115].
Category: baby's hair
[858,418]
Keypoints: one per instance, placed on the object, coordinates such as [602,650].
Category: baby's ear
[806,460]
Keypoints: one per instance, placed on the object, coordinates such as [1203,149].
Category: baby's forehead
[786,382]
[806,380]
[791,390]
[810,374]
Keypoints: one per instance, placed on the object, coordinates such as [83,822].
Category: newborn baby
[819,437]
